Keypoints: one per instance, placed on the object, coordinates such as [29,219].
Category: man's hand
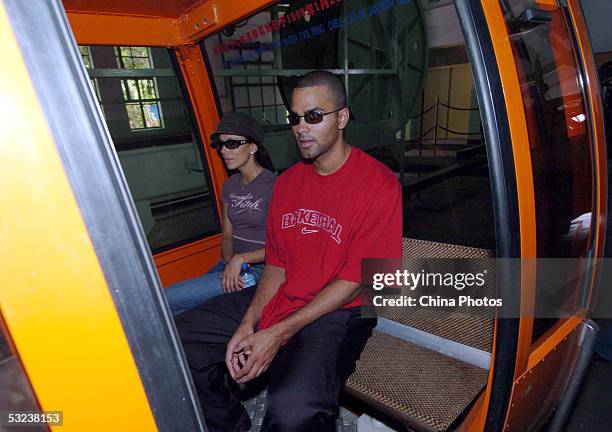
[235,357]
[260,349]
[231,274]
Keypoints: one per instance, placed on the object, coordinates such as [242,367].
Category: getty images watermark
[486,286]
[404,279]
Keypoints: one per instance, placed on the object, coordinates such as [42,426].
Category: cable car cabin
[488,112]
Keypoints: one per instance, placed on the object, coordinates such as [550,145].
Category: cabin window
[410,91]
[561,153]
[86,56]
[159,151]
[142,103]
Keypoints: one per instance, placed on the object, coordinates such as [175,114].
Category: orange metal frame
[524,177]
[191,26]
[99,29]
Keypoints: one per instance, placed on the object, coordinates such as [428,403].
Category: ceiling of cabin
[163,8]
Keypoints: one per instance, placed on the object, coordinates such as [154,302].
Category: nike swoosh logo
[309,231]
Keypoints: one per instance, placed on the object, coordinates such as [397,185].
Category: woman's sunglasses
[310,117]
[230,144]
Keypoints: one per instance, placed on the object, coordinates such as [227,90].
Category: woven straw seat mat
[422,388]
[462,324]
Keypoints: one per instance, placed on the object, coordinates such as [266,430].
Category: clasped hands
[250,353]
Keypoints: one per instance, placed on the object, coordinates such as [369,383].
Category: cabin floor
[256,407]
[593,409]
[591,412]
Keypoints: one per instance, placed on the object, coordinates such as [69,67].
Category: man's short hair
[328,79]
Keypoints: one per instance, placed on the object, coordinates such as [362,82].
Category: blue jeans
[185,295]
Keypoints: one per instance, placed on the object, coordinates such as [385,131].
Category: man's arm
[269,283]
[262,347]
[331,298]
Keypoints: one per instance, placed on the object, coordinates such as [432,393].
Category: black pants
[304,380]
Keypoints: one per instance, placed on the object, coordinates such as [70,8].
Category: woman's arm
[230,280]
[253,257]
[231,274]
[227,242]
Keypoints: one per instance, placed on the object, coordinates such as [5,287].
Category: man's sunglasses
[310,117]
[230,144]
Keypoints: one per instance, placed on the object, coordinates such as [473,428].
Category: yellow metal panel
[53,296]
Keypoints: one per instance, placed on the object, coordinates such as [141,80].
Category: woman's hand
[231,274]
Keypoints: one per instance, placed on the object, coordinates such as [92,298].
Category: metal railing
[436,106]
[428,179]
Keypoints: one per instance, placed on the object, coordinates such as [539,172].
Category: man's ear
[343,117]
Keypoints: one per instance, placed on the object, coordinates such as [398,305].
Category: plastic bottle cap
[245,266]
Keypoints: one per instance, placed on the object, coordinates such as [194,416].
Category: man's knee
[214,321]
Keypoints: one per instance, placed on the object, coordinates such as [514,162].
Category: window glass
[5,348]
[143,106]
[148,119]
[86,55]
[133,57]
[561,153]
[421,119]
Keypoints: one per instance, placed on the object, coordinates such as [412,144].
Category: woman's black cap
[237,123]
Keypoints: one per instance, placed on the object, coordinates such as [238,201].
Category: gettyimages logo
[412,280]
[466,285]
[560,287]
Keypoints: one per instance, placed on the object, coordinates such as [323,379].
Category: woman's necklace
[243,185]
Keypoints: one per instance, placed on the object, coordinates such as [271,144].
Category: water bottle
[247,277]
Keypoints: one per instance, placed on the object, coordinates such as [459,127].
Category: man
[302,325]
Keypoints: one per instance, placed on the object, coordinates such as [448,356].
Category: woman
[246,195]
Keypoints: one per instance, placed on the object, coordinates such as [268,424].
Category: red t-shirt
[320,227]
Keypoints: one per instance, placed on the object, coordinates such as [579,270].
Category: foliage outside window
[141,96]
[133,58]
[86,55]
[142,103]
